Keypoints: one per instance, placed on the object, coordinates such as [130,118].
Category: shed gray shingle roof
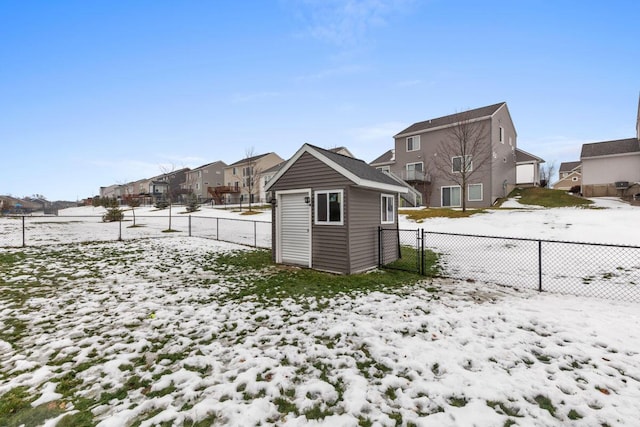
[452,118]
[357,167]
[608,148]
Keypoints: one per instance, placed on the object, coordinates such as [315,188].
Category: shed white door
[294,228]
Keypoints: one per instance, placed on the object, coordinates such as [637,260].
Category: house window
[474,192]
[457,166]
[387,211]
[386,169]
[450,196]
[329,207]
[233,171]
[413,143]
[574,179]
[414,172]
[501,134]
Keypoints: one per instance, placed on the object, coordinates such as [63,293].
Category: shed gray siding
[347,248]
[309,172]
[364,220]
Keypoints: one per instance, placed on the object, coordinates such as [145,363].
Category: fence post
[255,235]
[379,246]
[24,240]
[539,265]
[189,225]
[422,236]
[120,230]
[218,228]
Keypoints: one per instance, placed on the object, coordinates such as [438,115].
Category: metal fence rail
[18,231]
[577,268]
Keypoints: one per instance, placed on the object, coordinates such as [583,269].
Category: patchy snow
[150,334]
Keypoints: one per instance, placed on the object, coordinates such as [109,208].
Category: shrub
[114,213]
[161,204]
[192,203]
[575,189]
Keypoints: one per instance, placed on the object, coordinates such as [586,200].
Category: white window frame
[406,170]
[415,143]
[442,191]
[469,162]
[383,211]
[328,220]
[469,192]
[384,168]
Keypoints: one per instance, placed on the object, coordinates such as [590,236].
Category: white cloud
[334,72]
[346,22]
[377,132]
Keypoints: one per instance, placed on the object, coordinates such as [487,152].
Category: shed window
[387,209]
[329,207]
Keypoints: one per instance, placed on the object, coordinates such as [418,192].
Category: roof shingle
[452,118]
[608,148]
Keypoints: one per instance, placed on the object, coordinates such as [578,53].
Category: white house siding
[608,170]
[525,174]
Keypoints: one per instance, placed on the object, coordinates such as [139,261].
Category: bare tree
[464,153]
[250,174]
[546,174]
[167,176]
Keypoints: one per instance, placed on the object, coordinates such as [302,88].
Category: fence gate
[401,249]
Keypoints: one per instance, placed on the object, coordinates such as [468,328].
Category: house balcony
[416,177]
[218,192]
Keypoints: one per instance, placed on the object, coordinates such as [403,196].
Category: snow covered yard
[155,332]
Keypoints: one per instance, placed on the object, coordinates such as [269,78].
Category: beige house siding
[568,181]
[233,176]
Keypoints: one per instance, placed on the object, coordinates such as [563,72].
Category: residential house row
[216,182]
[606,168]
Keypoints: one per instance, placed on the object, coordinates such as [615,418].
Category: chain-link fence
[16,231]
[586,269]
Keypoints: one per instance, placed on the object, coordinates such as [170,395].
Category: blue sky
[94,93]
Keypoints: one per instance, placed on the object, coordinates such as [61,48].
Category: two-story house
[478,145]
[242,179]
[198,180]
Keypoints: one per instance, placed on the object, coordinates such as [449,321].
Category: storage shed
[327,209]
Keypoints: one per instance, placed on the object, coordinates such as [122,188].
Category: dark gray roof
[568,166]
[523,156]
[209,164]
[275,168]
[608,148]
[453,118]
[248,159]
[387,157]
[357,167]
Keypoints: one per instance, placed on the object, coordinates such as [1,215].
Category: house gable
[355,171]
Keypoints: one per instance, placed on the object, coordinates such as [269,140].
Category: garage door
[295,229]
